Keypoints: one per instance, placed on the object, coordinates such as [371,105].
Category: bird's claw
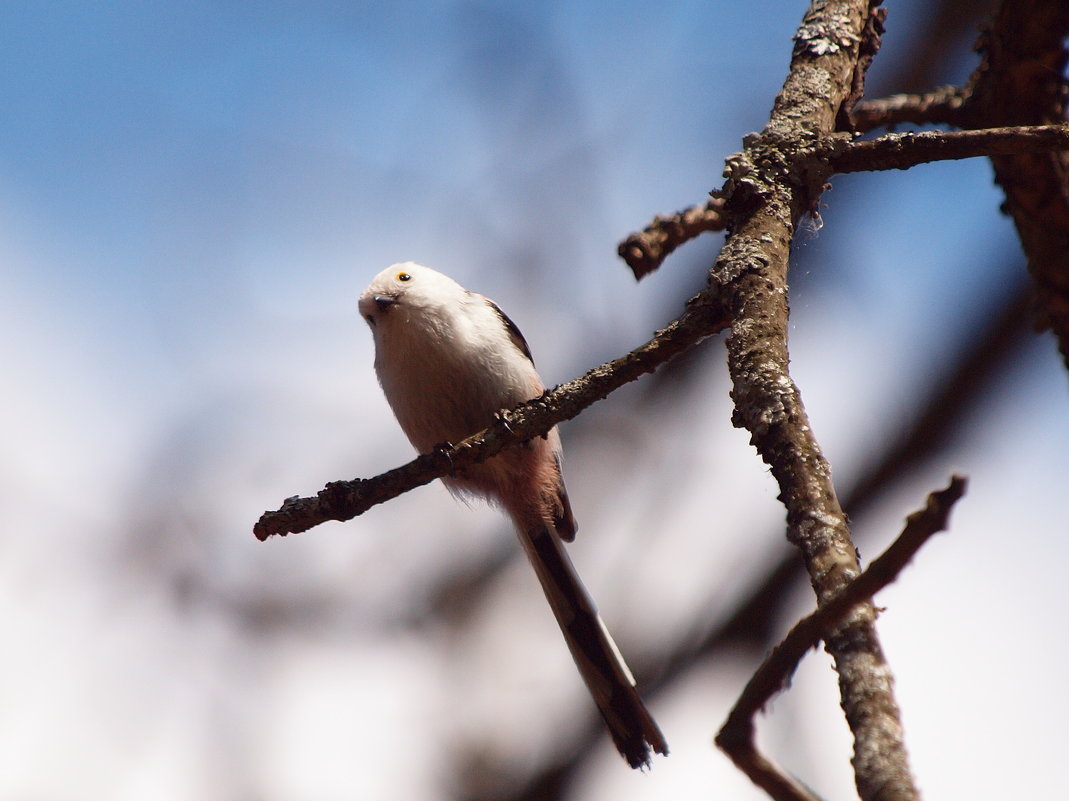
[502,416]
[446,449]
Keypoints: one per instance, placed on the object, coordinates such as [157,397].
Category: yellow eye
[404,277]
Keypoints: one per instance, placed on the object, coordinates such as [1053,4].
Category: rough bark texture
[767,402]
[1021,81]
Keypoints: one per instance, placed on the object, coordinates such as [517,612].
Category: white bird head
[410,286]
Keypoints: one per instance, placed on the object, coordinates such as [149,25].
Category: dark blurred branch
[947,405]
[1021,81]
[942,33]
[945,408]
[736,737]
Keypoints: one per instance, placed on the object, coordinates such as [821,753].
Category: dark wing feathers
[514,331]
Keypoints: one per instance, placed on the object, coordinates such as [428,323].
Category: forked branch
[736,737]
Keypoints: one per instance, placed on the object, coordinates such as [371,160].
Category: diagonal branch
[736,737]
[705,315]
[769,404]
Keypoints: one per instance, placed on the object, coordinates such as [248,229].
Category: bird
[449,360]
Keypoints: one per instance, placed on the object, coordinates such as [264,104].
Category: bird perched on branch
[448,361]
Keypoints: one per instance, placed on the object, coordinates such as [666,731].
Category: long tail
[599,661]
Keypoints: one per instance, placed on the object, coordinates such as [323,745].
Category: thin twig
[905,150]
[645,251]
[943,105]
[736,737]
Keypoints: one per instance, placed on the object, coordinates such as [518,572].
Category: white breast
[446,372]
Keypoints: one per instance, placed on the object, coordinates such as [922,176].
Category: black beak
[384,301]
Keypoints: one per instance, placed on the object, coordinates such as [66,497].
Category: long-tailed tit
[448,361]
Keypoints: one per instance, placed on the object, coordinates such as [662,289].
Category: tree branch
[705,315]
[736,737]
[768,403]
[1021,81]
[943,105]
[946,106]
[902,151]
[645,251]
[764,197]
